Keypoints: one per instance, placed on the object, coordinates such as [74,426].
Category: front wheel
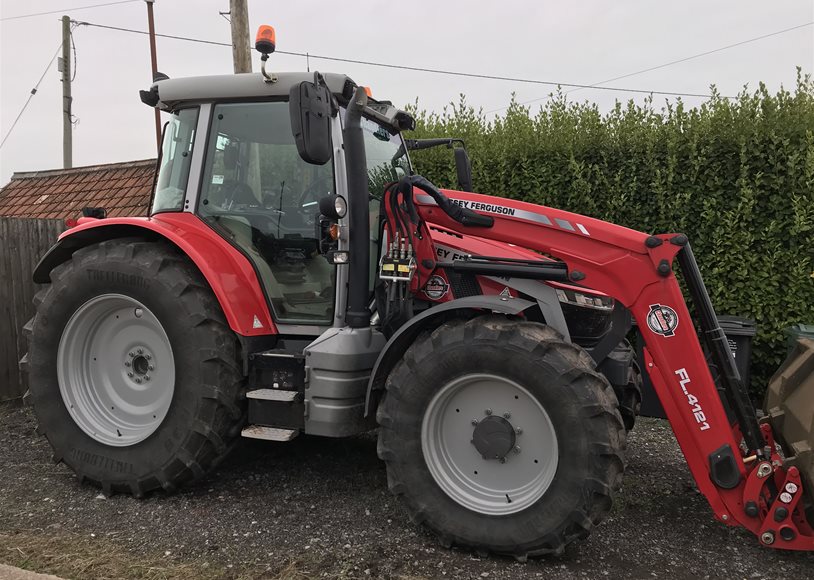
[500,436]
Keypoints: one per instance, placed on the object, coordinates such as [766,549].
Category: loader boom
[637,270]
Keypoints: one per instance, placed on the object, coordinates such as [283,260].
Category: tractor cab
[232,158]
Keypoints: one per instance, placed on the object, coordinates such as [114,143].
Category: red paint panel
[228,272]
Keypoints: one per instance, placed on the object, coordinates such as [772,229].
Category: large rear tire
[134,374]
[499,436]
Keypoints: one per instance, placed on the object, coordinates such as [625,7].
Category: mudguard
[228,272]
[406,334]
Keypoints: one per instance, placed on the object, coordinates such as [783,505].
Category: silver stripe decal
[491,208]
[504,210]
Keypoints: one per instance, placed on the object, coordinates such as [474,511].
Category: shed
[33,208]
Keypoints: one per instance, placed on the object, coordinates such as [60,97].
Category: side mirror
[310,109]
[464,168]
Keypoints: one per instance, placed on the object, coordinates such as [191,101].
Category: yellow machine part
[789,407]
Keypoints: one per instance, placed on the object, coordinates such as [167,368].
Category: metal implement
[789,407]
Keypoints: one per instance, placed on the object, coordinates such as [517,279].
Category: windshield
[176,155]
[386,157]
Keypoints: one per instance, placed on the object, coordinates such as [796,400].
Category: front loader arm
[637,270]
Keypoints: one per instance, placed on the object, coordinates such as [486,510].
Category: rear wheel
[500,436]
[134,375]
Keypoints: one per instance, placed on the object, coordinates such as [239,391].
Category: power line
[31,95]
[414,68]
[67,10]
[671,63]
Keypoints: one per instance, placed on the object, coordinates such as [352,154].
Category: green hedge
[735,175]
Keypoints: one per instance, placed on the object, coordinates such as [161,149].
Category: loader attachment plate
[789,407]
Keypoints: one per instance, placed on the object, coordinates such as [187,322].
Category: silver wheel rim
[115,370]
[493,486]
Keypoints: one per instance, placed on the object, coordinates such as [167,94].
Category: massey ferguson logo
[662,320]
[436,288]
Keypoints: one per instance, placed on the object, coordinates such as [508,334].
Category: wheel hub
[139,364]
[116,370]
[494,437]
[477,462]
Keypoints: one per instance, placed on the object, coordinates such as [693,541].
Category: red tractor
[295,276]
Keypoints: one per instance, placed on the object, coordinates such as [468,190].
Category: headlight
[585,300]
[333,206]
[341,206]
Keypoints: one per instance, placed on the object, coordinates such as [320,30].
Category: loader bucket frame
[741,485]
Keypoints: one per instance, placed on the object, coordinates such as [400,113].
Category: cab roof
[167,94]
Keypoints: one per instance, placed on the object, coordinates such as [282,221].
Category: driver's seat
[238,192]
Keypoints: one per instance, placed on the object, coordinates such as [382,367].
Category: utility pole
[65,69]
[241,41]
[154,63]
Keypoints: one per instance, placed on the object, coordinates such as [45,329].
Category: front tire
[134,374]
[499,436]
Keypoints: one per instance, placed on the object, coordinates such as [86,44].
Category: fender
[228,272]
[431,318]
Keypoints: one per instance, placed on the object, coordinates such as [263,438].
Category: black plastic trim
[723,469]
[406,334]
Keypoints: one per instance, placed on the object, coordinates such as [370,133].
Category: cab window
[387,161]
[176,156]
[261,195]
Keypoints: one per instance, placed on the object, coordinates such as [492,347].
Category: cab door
[259,194]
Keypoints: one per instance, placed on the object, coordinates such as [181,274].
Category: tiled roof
[123,189]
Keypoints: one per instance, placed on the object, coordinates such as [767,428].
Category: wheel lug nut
[146,377]
[151,367]
[127,363]
[519,431]
[474,422]
[517,449]
[129,374]
[132,355]
[138,312]
[140,351]
[148,357]
[138,380]
[507,415]
[488,411]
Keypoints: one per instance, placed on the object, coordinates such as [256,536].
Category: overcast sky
[566,41]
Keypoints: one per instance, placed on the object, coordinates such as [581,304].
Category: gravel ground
[320,508]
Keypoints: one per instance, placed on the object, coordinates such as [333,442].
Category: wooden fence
[22,243]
